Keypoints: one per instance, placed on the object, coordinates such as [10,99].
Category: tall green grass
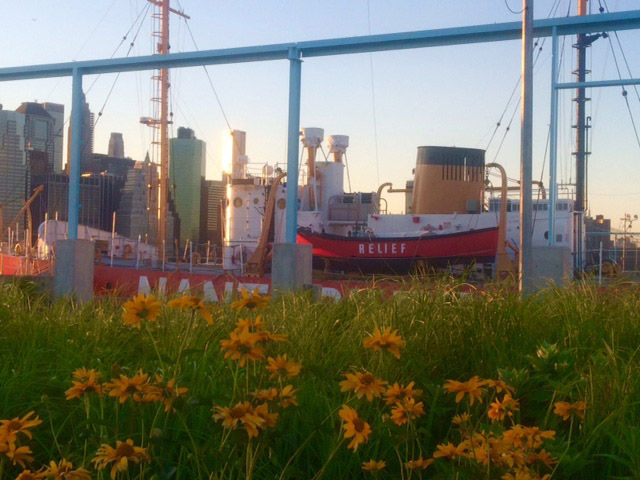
[449,335]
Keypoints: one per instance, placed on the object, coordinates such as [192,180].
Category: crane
[25,208]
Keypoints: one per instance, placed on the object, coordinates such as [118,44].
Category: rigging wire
[515,12]
[373,98]
[624,94]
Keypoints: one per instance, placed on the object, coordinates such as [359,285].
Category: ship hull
[401,254]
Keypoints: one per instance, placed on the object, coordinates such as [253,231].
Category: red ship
[402,254]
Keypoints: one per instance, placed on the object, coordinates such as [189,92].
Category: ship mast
[162,77]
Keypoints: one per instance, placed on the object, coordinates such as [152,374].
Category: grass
[590,341]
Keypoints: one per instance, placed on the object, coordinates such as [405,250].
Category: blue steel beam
[339,46]
[293,145]
[599,83]
[553,140]
[76,154]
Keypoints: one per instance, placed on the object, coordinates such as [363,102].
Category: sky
[389,103]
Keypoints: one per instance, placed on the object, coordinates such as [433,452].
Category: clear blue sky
[438,96]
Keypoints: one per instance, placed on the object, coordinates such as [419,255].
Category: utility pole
[526,151]
[162,77]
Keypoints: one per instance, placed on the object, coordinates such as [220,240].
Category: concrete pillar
[74,269]
[291,267]
[550,265]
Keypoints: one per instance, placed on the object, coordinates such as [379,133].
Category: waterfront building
[213,196]
[56,111]
[14,173]
[116,145]
[186,174]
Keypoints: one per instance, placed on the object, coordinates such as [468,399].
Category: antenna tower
[160,124]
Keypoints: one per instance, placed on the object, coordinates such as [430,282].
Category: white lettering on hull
[381,248]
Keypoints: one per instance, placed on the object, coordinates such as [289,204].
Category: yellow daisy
[251,301]
[406,410]
[120,456]
[126,387]
[63,470]
[419,463]
[282,366]
[140,308]
[241,347]
[373,465]
[354,427]
[363,384]
[242,413]
[385,340]
[566,410]
[471,388]
[193,304]
[9,429]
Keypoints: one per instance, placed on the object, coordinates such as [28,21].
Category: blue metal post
[553,139]
[76,153]
[293,144]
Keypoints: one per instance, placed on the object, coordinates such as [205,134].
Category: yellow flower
[499,385]
[126,387]
[354,427]
[406,410]
[499,409]
[543,457]
[397,393]
[251,301]
[363,384]
[268,395]
[9,429]
[257,326]
[242,413]
[193,304]
[385,340]
[419,463]
[450,451]
[140,308]
[461,419]
[283,366]
[64,471]
[82,374]
[120,456]
[565,410]
[19,455]
[287,396]
[471,388]
[164,392]
[29,475]
[270,419]
[373,465]
[241,347]
[527,437]
[88,383]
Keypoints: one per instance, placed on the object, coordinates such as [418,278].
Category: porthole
[256,201]
[237,202]
[282,203]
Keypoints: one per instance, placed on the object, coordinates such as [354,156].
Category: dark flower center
[367,379]
[358,425]
[124,450]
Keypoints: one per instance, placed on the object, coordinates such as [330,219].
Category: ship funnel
[311,139]
[337,145]
[448,180]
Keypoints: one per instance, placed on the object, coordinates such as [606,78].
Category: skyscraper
[38,136]
[213,194]
[186,173]
[116,145]
[56,111]
[87,136]
[14,173]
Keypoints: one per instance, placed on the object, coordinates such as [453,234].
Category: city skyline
[457,103]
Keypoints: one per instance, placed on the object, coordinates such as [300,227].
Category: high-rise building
[14,173]
[87,135]
[38,137]
[116,145]
[213,195]
[186,173]
[137,215]
[56,111]
[54,200]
